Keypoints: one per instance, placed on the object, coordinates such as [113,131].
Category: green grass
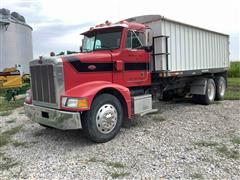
[4,140]
[13,131]
[234,70]
[115,164]
[234,81]
[233,90]
[6,162]
[115,174]
[94,159]
[18,143]
[11,121]
[5,113]
[108,163]
[11,105]
[158,118]
[223,149]
[5,137]
[236,140]
[205,143]
[112,167]
[197,176]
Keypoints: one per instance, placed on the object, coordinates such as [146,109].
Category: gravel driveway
[182,140]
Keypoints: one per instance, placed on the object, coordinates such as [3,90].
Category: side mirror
[147,48]
[148,37]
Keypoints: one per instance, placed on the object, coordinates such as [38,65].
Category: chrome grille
[43,85]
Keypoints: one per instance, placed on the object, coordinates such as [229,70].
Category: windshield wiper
[87,50]
[104,48]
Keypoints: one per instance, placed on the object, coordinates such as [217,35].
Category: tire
[196,99]
[167,96]
[96,125]
[180,93]
[220,88]
[210,93]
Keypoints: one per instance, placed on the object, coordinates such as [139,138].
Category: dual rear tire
[221,86]
[215,90]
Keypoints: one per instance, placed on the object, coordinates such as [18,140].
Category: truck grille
[43,88]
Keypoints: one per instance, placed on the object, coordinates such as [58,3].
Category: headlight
[74,102]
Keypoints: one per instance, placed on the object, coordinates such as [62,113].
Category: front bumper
[54,118]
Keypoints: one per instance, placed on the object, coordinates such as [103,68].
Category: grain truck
[122,68]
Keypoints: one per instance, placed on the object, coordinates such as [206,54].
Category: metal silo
[15,41]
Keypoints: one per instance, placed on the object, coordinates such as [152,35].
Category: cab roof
[123,24]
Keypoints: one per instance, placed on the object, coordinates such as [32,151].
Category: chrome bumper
[54,118]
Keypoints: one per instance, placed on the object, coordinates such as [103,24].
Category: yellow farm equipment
[10,78]
[12,83]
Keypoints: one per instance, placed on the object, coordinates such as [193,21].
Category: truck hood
[84,67]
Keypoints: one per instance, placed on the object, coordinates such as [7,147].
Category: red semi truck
[121,69]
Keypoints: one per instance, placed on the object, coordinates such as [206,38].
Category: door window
[134,40]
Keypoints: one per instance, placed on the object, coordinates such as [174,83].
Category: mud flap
[199,86]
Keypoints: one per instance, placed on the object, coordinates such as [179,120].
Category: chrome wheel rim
[106,118]
[222,88]
[211,91]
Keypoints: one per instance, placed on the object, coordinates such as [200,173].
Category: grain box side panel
[199,48]
[190,48]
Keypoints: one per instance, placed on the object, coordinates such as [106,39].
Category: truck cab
[92,89]
[116,53]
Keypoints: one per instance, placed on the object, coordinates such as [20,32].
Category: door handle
[119,65]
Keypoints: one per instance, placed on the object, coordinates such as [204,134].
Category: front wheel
[104,120]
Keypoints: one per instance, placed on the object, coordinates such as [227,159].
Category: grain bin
[15,41]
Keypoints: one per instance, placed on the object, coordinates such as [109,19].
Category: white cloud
[218,15]
[215,14]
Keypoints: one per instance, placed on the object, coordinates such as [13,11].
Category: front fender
[90,89]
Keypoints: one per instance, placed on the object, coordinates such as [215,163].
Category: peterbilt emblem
[40,61]
[91,67]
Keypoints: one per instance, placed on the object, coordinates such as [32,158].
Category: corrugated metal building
[15,41]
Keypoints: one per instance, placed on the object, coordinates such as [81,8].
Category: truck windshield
[102,39]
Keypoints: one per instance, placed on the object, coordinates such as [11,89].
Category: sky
[57,24]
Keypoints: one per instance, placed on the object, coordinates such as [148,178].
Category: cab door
[136,60]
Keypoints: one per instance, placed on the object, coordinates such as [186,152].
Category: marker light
[108,23]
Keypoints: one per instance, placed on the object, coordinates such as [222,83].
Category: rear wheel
[220,87]
[104,120]
[210,93]
[196,98]
[167,95]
